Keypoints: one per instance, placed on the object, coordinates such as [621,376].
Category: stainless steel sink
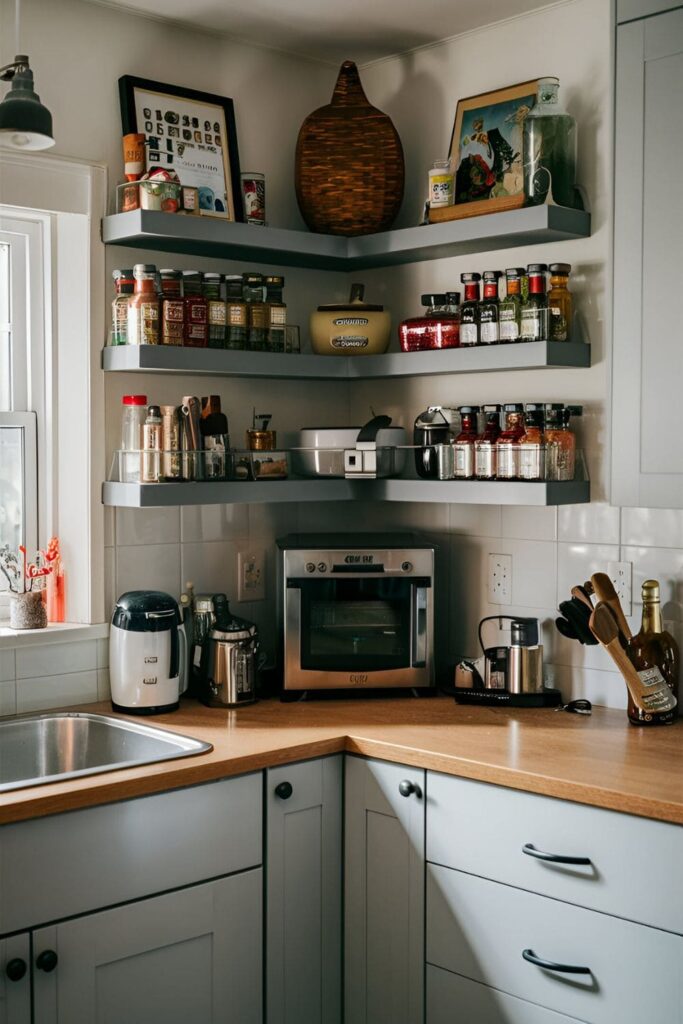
[36,749]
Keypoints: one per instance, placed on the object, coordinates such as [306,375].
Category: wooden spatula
[604,591]
[648,687]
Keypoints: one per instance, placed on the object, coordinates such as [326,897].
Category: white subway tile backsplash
[147,526]
[151,567]
[212,567]
[605,688]
[103,687]
[110,592]
[534,572]
[577,562]
[663,564]
[8,697]
[214,522]
[55,659]
[102,653]
[481,520]
[7,668]
[652,527]
[596,523]
[268,520]
[524,523]
[56,691]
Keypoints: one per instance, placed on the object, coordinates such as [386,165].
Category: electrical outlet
[500,579]
[251,575]
[620,575]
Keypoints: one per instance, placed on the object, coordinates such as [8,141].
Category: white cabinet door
[304,890]
[15,980]
[384,893]
[647,371]
[191,955]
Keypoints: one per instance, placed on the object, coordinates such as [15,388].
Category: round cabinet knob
[46,961]
[407,788]
[16,969]
[284,790]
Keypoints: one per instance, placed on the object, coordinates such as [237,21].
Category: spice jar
[253,293]
[485,445]
[277,313]
[441,184]
[463,445]
[143,307]
[216,311]
[532,445]
[560,441]
[124,283]
[151,442]
[132,423]
[507,445]
[560,302]
[172,309]
[196,331]
[236,315]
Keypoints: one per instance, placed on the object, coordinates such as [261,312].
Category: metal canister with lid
[229,659]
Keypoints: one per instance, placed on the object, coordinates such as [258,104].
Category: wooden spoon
[604,590]
[648,688]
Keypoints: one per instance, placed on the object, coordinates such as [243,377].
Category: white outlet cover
[500,579]
[251,575]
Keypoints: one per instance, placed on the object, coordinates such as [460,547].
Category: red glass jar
[438,327]
[463,445]
[196,328]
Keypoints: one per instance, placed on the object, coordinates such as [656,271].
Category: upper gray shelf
[210,236]
[217,362]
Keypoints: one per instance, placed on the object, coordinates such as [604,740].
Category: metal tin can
[254,195]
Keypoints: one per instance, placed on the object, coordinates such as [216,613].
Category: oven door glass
[352,625]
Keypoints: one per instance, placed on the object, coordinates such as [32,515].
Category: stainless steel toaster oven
[356,611]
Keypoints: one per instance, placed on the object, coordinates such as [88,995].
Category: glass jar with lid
[196,310]
[560,302]
[124,282]
[549,150]
[143,307]
[277,312]
[216,309]
[507,445]
[438,327]
[236,314]
[172,309]
[254,292]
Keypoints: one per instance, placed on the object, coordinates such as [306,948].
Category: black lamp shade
[24,122]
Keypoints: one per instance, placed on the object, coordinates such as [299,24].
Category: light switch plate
[500,579]
[620,575]
[251,575]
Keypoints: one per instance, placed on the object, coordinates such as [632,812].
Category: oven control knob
[406,566]
[322,567]
[310,566]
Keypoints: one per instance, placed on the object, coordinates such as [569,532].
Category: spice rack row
[210,236]
[218,362]
[484,492]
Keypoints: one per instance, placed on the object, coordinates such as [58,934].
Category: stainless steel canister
[444,454]
[171,460]
[230,678]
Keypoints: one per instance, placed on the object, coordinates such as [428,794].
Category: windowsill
[58,632]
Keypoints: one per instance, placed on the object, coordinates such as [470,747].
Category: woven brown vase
[349,163]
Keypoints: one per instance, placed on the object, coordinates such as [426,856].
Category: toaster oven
[356,611]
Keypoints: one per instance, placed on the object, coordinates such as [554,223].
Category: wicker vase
[349,163]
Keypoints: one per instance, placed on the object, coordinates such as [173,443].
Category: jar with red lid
[134,413]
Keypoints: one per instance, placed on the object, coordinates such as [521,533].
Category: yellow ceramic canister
[356,328]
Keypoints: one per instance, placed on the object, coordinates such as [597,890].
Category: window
[22,384]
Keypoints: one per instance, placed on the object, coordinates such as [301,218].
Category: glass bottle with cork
[507,446]
[277,312]
[654,647]
[215,310]
[485,445]
[510,307]
[143,307]
[560,441]
[438,327]
[463,444]
[560,302]
[535,315]
[172,308]
[489,332]
[253,292]
[124,282]
[237,320]
[469,311]
[532,444]
[196,311]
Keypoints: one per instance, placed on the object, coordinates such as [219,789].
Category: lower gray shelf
[471,492]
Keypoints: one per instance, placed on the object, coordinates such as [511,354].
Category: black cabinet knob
[284,790]
[407,788]
[16,969]
[46,961]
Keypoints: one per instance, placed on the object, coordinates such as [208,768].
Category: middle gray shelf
[219,362]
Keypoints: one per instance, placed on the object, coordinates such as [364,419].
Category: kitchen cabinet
[647,367]
[15,979]
[190,955]
[304,892]
[384,893]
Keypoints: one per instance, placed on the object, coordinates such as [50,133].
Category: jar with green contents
[216,310]
[560,302]
[236,313]
[253,291]
[277,313]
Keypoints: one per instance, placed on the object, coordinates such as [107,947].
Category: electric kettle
[229,659]
[519,667]
[147,653]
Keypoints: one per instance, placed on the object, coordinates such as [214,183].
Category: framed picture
[486,148]
[192,133]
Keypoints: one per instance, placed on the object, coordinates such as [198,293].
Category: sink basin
[36,749]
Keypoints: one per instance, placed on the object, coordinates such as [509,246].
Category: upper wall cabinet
[647,456]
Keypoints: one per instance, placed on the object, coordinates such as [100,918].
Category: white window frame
[67,200]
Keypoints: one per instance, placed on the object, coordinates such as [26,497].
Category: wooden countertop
[598,760]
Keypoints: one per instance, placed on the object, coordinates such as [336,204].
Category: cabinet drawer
[479,928]
[482,829]
[67,864]
[454,1000]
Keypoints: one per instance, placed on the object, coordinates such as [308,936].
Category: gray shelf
[217,362]
[210,236]
[475,492]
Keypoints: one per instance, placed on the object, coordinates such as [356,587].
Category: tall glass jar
[172,310]
[237,325]
[560,302]
[124,283]
[211,290]
[196,311]
[550,150]
[143,307]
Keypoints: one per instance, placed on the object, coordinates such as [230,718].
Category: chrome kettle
[230,660]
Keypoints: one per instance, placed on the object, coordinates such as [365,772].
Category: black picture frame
[130,84]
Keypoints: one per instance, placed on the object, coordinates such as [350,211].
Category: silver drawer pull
[553,858]
[550,965]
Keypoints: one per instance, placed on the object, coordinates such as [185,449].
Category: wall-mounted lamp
[24,122]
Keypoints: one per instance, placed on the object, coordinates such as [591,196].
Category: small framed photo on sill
[206,161]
